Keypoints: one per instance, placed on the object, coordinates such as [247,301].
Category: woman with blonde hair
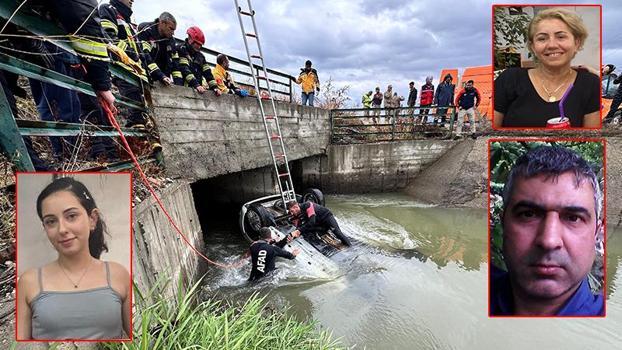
[77,296]
[529,97]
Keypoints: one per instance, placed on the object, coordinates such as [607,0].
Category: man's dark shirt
[263,255]
[582,303]
[314,217]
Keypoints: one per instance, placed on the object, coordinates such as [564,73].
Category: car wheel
[254,219]
[313,195]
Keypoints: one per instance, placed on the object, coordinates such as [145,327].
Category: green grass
[218,325]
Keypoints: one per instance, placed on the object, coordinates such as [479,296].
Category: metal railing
[281,84]
[368,125]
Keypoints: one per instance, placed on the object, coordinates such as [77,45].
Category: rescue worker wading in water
[311,217]
[265,250]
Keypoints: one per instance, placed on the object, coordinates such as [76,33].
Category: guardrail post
[10,138]
[392,115]
[332,126]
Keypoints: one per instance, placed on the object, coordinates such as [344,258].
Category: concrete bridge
[205,137]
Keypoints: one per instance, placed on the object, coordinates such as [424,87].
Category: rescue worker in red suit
[311,217]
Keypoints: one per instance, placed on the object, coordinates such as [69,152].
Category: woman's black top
[517,98]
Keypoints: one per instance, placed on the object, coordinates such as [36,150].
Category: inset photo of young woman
[73,256]
[547,66]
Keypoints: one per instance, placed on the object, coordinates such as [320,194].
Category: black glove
[317,89]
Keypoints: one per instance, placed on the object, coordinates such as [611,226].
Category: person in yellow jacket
[309,82]
[223,79]
[367,102]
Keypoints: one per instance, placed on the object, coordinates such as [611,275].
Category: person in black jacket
[264,251]
[443,98]
[193,70]
[311,217]
[617,100]
[412,99]
[117,24]
[81,18]
[158,47]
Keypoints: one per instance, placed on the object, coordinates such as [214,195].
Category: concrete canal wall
[363,168]
[159,251]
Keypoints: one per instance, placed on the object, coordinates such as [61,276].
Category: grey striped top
[87,314]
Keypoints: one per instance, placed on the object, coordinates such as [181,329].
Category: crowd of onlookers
[433,103]
[104,35]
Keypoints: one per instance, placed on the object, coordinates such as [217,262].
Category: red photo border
[603,141]
[492,64]
[131,236]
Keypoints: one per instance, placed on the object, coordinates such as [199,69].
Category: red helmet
[195,34]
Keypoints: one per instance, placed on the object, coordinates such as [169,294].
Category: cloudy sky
[362,43]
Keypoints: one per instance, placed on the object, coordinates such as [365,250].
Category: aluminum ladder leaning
[270,121]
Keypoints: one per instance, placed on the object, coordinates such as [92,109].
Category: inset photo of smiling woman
[73,256]
[547,66]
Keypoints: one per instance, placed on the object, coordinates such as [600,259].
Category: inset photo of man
[546,230]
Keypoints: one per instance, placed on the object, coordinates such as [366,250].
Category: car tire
[255,218]
[313,195]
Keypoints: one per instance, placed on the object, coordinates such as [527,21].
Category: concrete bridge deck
[204,136]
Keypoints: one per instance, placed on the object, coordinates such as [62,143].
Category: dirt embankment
[460,177]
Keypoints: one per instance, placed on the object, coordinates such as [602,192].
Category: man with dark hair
[311,217]
[412,99]
[443,98]
[264,251]
[467,101]
[224,80]
[426,99]
[376,102]
[551,219]
[309,82]
[158,47]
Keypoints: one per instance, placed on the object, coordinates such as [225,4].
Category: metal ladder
[270,121]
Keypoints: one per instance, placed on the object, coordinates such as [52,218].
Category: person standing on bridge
[444,98]
[264,251]
[158,47]
[310,83]
[388,102]
[412,100]
[427,97]
[366,100]
[311,217]
[376,102]
[467,101]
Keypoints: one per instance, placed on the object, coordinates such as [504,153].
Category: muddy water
[417,279]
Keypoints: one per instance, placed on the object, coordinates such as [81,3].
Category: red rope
[114,123]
